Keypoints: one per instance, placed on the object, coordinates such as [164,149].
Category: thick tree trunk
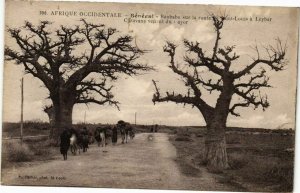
[216,155]
[215,148]
[215,142]
[64,121]
[63,108]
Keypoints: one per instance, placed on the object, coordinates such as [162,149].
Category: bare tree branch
[99,102]
[228,82]
[231,110]
[177,98]
[275,59]
[201,60]
[251,98]
[54,57]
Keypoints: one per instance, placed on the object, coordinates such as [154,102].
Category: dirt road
[145,162]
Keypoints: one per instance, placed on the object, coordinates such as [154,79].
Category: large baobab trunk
[63,119]
[63,108]
[215,141]
[215,148]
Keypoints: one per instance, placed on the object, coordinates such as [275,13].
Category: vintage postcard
[149,96]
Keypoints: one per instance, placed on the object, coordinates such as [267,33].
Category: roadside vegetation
[258,161]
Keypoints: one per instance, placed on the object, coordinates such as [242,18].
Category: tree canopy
[219,61]
[68,55]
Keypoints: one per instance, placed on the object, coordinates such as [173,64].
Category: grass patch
[188,169]
[41,148]
[270,171]
[257,162]
[183,139]
[15,152]
[237,161]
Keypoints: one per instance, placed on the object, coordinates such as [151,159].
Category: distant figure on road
[155,128]
[121,126]
[151,128]
[114,135]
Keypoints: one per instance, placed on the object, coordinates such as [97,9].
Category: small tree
[76,64]
[245,83]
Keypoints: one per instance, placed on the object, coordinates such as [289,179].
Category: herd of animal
[77,140]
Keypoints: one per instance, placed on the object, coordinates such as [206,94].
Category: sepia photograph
[149,96]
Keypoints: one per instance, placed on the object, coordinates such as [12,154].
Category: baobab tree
[76,64]
[226,81]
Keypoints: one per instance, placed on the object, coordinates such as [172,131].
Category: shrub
[183,139]
[237,161]
[40,149]
[15,152]
[233,139]
[200,158]
[280,173]
[263,170]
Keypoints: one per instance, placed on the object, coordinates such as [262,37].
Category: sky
[135,93]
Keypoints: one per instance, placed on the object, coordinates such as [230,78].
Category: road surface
[147,161]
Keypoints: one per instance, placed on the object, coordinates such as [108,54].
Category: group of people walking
[103,133]
[76,140]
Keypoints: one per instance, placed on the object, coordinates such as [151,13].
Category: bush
[237,161]
[40,149]
[233,139]
[183,139]
[200,158]
[15,152]
[199,135]
[280,173]
[263,170]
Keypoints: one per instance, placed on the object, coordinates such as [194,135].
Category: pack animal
[131,134]
[83,139]
[74,147]
[100,136]
[126,131]
[123,133]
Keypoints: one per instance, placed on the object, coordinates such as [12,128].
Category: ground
[147,161]
[258,161]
